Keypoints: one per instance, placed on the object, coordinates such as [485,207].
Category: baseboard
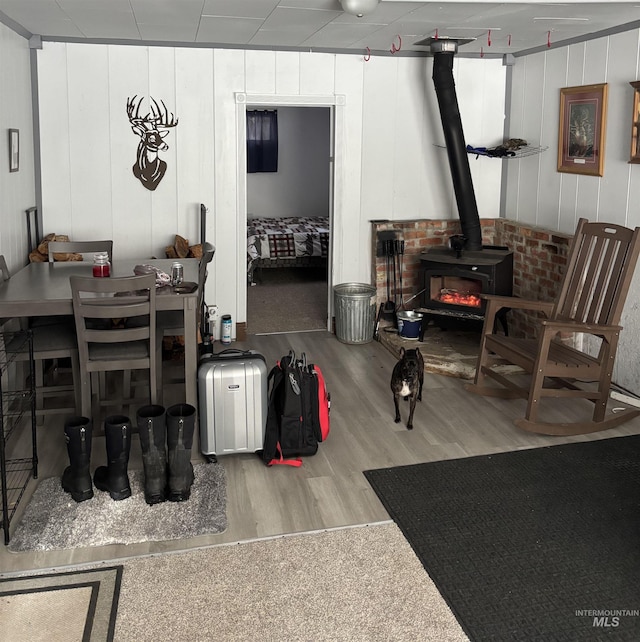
[628,399]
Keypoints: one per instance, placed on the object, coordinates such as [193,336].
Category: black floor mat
[540,544]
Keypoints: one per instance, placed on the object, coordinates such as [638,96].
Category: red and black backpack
[298,413]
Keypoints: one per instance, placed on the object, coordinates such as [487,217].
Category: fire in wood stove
[453,290]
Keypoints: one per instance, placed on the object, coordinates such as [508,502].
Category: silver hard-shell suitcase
[232,399]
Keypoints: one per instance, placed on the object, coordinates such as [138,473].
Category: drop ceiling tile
[239,8]
[339,36]
[179,14]
[98,19]
[169,32]
[277,38]
[306,21]
[41,17]
[227,30]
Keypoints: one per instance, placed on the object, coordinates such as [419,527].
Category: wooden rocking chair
[602,258]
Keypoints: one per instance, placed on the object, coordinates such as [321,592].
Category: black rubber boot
[113,477]
[76,478]
[153,436]
[181,420]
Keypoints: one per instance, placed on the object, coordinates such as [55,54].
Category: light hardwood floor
[329,490]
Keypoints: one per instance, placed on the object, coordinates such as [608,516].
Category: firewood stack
[41,253]
[182,250]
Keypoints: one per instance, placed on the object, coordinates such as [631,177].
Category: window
[262,141]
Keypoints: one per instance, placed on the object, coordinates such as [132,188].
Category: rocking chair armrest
[497,302]
[556,325]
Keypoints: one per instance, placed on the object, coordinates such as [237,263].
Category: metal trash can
[355,307]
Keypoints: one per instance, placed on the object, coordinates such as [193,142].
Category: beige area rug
[361,583]
[52,520]
[60,607]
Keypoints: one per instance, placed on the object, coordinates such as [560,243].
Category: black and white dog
[406,381]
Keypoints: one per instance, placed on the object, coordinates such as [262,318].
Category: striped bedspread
[287,238]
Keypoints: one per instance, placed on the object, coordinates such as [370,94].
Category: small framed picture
[14,150]
[583,113]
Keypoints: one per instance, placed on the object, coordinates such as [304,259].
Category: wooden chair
[601,261]
[78,247]
[105,346]
[51,342]
[60,249]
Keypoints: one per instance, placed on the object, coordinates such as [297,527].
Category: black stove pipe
[456,149]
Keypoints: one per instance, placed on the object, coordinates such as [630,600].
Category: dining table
[43,289]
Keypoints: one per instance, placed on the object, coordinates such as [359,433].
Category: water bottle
[226,329]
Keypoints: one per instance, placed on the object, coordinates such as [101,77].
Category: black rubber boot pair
[166,438]
[113,477]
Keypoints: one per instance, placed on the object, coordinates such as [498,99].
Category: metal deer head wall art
[151,128]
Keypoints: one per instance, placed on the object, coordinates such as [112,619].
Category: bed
[295,241]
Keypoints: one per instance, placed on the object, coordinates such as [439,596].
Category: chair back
[602,259]
[115,321]
[5,275]
[78,247]
[208,251]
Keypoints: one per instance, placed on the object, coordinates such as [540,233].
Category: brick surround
[539,258]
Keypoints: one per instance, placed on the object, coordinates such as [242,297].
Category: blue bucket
[409,324]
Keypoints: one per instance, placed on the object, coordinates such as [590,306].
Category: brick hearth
[539,258]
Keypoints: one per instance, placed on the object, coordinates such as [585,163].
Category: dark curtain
[262,141]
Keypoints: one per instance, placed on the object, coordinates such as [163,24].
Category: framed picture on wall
[14,150]
[583,113]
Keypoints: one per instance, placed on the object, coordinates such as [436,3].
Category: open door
[289,214]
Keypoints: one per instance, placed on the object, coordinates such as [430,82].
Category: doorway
[288,210]
[305,186]
[335,105]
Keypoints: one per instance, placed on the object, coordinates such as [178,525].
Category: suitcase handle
[231,351]
[230,354]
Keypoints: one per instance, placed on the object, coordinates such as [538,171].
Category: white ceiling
[498,27]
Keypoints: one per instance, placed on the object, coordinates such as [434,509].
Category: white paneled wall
[17,189]
[390,167]
[479,97]
[538,194]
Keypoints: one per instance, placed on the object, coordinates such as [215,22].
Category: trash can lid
[354,289]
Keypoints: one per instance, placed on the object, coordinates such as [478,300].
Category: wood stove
[453,282]
[454,277]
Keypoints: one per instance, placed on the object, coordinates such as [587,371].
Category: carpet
[362,583]
[288,300]
[353,584]
[540,544]
[59,607]
[52,520]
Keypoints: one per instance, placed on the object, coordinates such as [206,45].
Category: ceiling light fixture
[359,8]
